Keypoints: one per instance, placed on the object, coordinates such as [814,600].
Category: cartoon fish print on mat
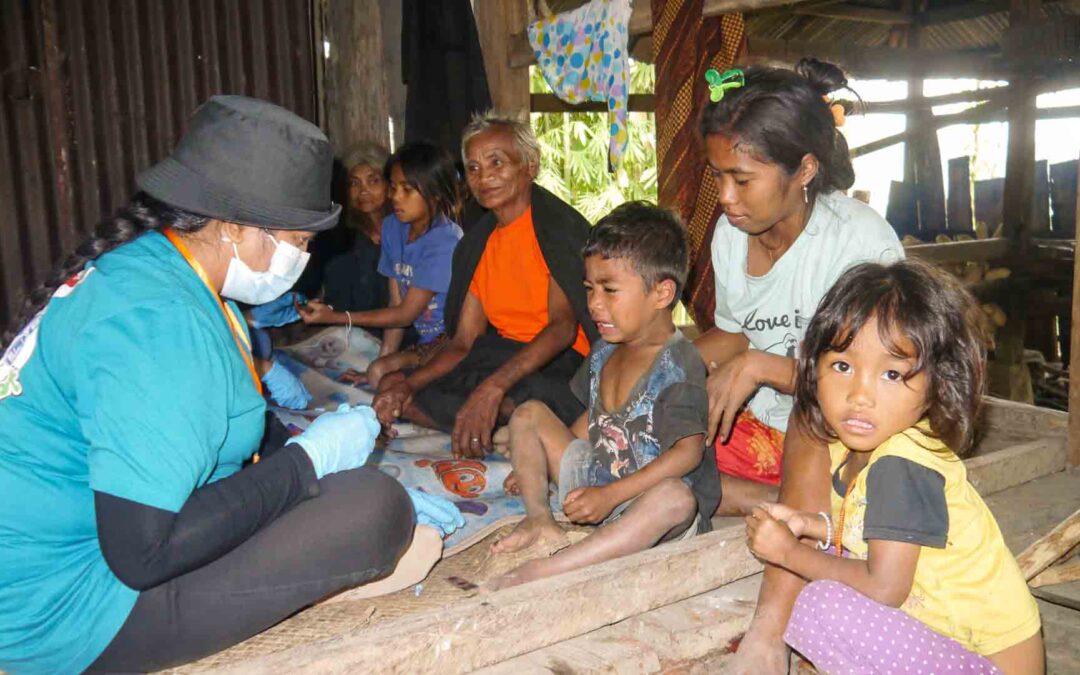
[462,477]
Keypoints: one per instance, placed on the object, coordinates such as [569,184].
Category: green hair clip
[719,84]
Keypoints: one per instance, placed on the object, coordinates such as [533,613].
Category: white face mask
[256,288]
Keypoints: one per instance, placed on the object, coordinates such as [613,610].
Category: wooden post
[357,102]
[498,22]
[1019,194]
[1063,200]
[1074,357]
[1040,206]
[391,70]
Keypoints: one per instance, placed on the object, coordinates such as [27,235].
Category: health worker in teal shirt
[136,531]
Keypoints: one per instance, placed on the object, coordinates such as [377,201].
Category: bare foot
[532,532]
[535,562]
[757,655]
[510,485]
[515,577]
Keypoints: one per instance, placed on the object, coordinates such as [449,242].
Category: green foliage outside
[574,151]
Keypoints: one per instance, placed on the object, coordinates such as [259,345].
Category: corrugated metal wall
[93,91]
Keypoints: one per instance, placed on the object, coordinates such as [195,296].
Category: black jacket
[561,232]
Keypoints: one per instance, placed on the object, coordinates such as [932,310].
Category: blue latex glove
[277,312]
[286,388]
[437,512]
[341,440]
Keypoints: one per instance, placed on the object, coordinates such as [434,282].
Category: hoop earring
[805,195]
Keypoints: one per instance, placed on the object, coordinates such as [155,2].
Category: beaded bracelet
[824,545]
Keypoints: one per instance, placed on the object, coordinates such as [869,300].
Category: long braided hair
[141,215]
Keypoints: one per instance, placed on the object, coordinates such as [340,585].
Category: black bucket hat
[247,161]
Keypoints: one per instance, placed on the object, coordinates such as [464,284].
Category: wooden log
[1058,574]
[1047,550]
[960,214]
[492,628]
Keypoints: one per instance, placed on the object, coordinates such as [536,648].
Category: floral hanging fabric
[582,55]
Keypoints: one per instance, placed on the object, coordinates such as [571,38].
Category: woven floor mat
[451,580]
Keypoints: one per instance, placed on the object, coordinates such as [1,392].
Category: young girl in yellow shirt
[912,573]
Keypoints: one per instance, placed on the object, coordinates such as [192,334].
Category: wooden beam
[1058,574]
[963,11]
[1049,549]
[991,94]
[1074,352]
[491,628]
[496,22]
[980,250]
[972,116]
[906,105]
[521,54]
[550,103]
[990,111]
[1019,196]
[884,61]
[862,14]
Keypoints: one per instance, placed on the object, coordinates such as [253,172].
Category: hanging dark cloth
[443,66]
[690,45]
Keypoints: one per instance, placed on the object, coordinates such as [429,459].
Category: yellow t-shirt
[967,584]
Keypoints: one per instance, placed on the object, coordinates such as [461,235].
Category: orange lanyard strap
[230,317]
[839,547]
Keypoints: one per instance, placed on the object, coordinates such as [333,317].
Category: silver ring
[475,440]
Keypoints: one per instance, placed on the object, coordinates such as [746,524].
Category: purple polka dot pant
[842,632]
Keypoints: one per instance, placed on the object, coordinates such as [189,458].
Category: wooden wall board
[959,205]
[988,195]
[1063,197]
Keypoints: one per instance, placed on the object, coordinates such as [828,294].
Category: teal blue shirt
[129,383]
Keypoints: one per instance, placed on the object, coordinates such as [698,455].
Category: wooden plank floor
[1020,443]
[696,635]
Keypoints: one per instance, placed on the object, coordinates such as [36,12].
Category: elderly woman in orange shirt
[516,309]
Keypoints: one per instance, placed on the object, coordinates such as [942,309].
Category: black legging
[352,533]
[442,398]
